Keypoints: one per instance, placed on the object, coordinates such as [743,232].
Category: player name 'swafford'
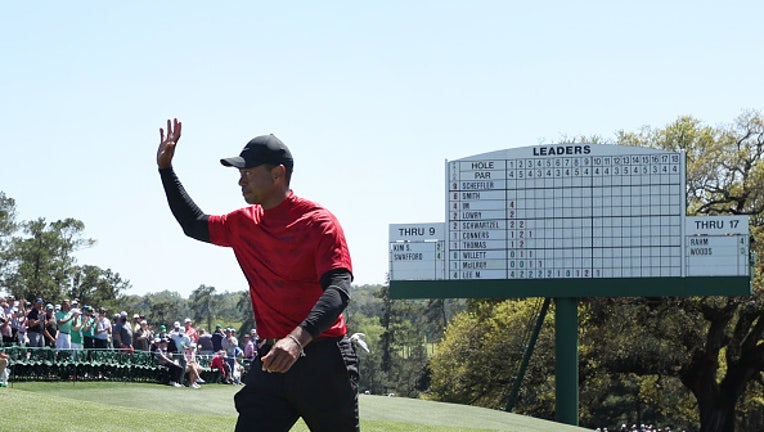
[408,256]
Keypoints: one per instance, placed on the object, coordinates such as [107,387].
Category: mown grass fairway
[114,407]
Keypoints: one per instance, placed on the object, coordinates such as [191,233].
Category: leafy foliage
[98,287]
[725,175]
[41,264]
[401,334]
[479,357]
[8,226]
[205,304]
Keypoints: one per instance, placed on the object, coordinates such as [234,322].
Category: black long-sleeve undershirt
[334,299]
[190,217]
[335,283]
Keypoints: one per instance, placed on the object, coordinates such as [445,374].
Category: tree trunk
[716,401]
[719,418]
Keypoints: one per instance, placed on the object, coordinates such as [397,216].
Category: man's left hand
[282,355]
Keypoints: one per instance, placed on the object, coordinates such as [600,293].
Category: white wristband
[297,341]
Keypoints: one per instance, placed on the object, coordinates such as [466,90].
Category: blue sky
[371,97]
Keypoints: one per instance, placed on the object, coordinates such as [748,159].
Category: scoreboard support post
[566,360]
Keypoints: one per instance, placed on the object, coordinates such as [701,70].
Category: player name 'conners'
[560,150]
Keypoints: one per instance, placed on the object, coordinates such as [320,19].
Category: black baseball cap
[264,149]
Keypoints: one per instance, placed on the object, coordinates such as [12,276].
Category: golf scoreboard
[573,211]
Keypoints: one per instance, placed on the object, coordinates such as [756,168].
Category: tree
[8,226]
[166,307]
[204,303]
[402,348]
[372,379]
[98,287]
[478,360]
[629,351]
[713,345]
[400,334]
[244,313]
[41,264]
[363,316]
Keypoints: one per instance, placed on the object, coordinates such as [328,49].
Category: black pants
[321,387]
[176,372]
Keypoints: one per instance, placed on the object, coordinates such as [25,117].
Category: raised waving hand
[167,143]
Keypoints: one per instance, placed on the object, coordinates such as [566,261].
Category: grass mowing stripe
[151,407]
[46,413]
[41,412]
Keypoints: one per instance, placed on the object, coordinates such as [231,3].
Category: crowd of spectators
[74,327]
[634,428]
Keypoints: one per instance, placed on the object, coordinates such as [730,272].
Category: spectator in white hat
[136,323]
[64,317]
[103,330]
[76,334]
[250,349]
[163,359]
[190,330]
[50,332]
[142,336]
[181,342]
[123,334]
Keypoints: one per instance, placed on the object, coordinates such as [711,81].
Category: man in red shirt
[295,258]
[219,363]
[190,330]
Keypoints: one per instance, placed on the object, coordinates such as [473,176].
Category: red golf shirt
[283,253]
